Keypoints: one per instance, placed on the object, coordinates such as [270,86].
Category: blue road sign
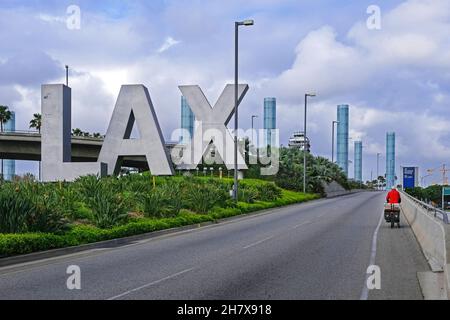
[409,177]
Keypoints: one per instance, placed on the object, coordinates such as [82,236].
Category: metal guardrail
[437,213]
[20,131]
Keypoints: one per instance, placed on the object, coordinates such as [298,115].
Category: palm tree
[5,116]
[77,132]
[382,181]
[36,122]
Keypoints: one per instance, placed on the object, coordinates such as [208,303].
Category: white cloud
[168,43]
[397,78]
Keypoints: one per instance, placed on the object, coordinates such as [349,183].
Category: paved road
[317,250]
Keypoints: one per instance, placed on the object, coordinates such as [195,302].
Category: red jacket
[393,197]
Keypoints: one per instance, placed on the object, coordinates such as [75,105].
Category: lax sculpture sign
[133,105]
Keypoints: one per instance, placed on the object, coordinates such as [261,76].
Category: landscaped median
[37,217]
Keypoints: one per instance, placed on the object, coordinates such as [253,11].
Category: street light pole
[236,102]
[378,170]
[332,141]
[306,142]
[253,118]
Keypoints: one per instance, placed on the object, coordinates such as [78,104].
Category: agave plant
[108,210]
[14,211]
[151,203]
[204,196]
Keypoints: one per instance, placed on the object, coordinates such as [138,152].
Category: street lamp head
[246,23]
[311,95]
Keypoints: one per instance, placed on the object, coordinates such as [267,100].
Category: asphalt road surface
[316,250]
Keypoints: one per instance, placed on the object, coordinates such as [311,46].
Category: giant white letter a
[134,105]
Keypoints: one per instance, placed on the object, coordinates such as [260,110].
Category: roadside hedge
[17,244]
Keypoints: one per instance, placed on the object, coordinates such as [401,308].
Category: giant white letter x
[211,126]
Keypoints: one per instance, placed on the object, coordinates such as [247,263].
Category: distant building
[390,160]
[9,166]
[358,161]
[187,122]
[343,137]
[270,120]
[298,141]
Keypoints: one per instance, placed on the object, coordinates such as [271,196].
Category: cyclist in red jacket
[393,197]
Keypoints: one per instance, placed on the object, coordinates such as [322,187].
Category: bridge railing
[20,132]
[437,213]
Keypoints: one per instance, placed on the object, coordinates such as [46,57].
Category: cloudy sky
[395,78]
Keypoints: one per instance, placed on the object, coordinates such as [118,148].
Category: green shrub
[152,203]
[22,212]
[82,212]
[88,186]
[137,183]
[66,200]
[204,196]
[172,194]
[268,192]
[248,194]
[162,202]
[46,218]
[108,208]
[14,210]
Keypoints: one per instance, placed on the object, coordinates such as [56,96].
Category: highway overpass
[27,146]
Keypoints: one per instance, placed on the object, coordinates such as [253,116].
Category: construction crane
[442,170]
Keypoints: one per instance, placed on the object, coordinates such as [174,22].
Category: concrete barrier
[334,189]
[433,236]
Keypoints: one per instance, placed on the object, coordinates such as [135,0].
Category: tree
[382,181]
[77,132]
[5,116]
[36,122]
[318,171]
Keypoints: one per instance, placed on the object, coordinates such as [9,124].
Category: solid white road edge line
[373,255]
